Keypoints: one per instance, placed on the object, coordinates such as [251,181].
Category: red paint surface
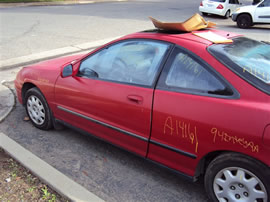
[195,124]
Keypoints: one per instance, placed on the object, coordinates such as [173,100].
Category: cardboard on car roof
[194,23]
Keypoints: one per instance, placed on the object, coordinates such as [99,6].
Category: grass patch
[19,184]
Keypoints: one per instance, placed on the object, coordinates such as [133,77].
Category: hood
[57,62]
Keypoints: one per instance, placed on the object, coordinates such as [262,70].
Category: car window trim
[159,69]
[161,85]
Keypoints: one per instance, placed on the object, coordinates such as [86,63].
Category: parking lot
[105,170]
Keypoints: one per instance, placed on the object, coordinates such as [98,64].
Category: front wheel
[37,109]
[235,177]
[244,21]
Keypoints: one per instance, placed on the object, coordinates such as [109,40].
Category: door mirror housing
[67,71]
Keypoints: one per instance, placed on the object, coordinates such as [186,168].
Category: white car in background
[247,16]
[219,7]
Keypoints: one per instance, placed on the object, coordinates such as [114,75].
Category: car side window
[188,74]
[265,4]
[134,62]
[233,2]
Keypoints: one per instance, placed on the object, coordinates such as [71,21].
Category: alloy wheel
[36,110]
[238,184]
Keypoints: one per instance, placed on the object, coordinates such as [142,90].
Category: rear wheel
[227,14]
[244,21]
[38,109]
[205,14]
[235,177]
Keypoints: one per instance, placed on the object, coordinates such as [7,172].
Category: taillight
[201,4]
[220,6]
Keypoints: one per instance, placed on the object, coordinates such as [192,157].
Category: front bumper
[18,88]
[234,16]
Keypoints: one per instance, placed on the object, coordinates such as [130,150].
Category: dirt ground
[18,184]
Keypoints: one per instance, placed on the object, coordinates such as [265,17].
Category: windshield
[249,58]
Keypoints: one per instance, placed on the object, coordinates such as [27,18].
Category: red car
[197,103]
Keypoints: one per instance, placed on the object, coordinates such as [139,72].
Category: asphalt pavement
[56,3]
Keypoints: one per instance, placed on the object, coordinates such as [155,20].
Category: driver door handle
[135,98]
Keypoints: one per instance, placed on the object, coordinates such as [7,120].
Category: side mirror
[67,71]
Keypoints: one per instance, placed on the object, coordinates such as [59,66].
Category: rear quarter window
[185,72]
[248,58]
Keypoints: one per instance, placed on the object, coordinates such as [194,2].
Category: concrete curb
[30,59]
[52,177]
[7,101]
[59,3]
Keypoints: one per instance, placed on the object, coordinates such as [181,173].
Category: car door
[262,12]
[188,97]
[111,95]
[233,5]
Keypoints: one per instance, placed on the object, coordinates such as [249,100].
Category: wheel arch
[205,161]
[208,158]
[247,13]
[25,88]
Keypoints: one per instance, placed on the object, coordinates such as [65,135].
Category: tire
[235,177]
[204,14]
[37,109]
[244,21]
[227,14]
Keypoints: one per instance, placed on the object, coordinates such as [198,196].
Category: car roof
[177,36]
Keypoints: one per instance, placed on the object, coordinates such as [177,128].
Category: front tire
[37,109]
[235,177]
[244,21]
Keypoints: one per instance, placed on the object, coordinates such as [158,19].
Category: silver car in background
[223,8]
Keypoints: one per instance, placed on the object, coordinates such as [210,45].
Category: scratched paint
[188,63]
[221,136]
[261,74]
[183,130]
[43,80]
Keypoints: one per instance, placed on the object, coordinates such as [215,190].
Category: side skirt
[183,175]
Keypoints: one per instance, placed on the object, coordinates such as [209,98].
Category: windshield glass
[249,58]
